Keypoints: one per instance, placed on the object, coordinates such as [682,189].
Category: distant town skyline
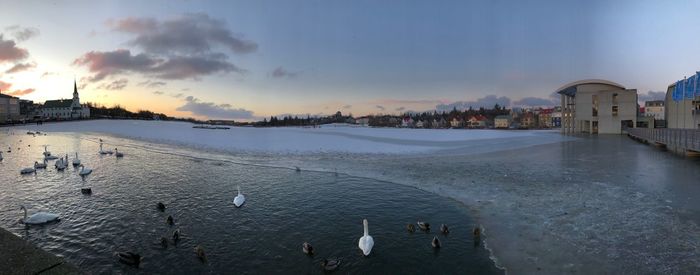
[246,60]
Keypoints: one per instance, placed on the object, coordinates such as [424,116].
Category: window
[594,111]
[614,110]
[614,99]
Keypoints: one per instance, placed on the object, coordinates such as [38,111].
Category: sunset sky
[246,60]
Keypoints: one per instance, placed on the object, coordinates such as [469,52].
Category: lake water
[283,209]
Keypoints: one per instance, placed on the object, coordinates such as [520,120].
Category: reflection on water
[283,209]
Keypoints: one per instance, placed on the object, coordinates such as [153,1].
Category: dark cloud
[20,67]
[536,102]
[104,64]
[115,85]
[380,107]
[152,84]
[347,106]
[190,33]
[9,52]
[400,109]
[487,102]
[280,72]
[22,34]
[212,110]
[158,93]
[651,95]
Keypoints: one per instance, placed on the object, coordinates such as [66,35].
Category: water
[283,209]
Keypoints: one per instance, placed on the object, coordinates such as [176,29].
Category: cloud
[404,101]
[9,52]
[400,109]
[115,85]
[347,106]
[20,67]
[212,110]
[5,88]
[21,92]
[380,107]
[22,34]
[651,95]
[177,95]
[280,72]
[152,84]
[158,93]
[121,61]
[536,102]
[190,33]
[47,74]
[487,102]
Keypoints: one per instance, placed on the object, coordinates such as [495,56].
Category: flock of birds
[365,243]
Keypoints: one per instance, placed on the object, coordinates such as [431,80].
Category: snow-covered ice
[328,138]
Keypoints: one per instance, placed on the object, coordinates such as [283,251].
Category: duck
[86,191]
[444,229]
[38,165]
[0,156]
[239,199]
[330,265]
[164,242]
[199,250]
[160,206]
[129,258]
[176,235]
[84,171]
[76,160]
[116,153]
[436,242]
[307,248]
[366,241]
[170,220]
[27,170]
[423,226]
[297,168]
[411,228]
[38,217]
[9,149]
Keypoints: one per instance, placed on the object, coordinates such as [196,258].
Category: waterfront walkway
[17,256]
[684,141]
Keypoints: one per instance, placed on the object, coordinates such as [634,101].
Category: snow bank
[330,138]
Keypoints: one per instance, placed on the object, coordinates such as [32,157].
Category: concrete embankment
[17,256]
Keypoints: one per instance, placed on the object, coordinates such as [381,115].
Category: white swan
[37,218]
[27,170]
[46,151]
[119,155]
[60,164]
[366,242]
[103,152]
[239,199]
[84,171]
[76,161]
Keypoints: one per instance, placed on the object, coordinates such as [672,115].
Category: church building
[66,108]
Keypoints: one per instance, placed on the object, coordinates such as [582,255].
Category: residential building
[655,109]
[66,108]
[556,117]
[364,121]
[9,108]
[544,118]
[477,121]
[407,122]
[502,121]
[456,122]
[528,120]
[420,124]
[597,106]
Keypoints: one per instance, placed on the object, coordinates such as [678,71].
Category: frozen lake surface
[549,203]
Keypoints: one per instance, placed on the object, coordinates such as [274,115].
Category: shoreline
[18,256]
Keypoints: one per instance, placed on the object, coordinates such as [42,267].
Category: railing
[686,139]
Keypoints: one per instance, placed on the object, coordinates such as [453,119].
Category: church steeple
[75,89]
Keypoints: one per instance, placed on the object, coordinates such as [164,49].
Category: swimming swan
[119,155]
[76,161]
[84,171]
[37,218]
[27,170]
[366,242]
[239,199]
[38,165]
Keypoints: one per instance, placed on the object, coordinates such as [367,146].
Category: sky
[245,60]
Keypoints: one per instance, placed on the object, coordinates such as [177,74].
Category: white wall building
[9,108]
[65,108]
[682,114]
[654,109]
[598,107]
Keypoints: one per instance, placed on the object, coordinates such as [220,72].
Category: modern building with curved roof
[597,106]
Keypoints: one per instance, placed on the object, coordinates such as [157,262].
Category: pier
[683,141]
[17,256]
